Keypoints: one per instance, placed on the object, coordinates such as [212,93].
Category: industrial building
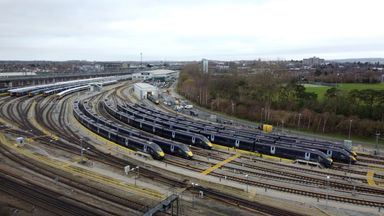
[160,75]
[313,61]
[205,65]
[142,90]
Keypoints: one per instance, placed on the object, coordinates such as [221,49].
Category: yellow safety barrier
[370,180]
[220,164]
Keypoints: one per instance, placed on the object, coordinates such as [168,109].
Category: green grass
[320,90]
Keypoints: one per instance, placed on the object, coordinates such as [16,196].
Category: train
[186,137]
[39,89]
[229,139]
[153,99]
[337,153]
[130,142]
[168,146]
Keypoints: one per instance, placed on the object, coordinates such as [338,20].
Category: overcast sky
[190,30]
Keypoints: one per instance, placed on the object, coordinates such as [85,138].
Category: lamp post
[350,126]
[326,197]
[82,153]
[193,195]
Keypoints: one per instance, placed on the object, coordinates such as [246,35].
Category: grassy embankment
[320,90]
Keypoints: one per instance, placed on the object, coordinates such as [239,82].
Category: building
[142,90]
[160,75]
[205,65]
[313,61]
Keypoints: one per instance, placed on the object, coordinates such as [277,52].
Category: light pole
[246,183]
[350,126]
[326,199]
[193,195]
[82,153]
[137,172]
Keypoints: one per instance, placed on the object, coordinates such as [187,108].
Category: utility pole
[326,200]
[141,60]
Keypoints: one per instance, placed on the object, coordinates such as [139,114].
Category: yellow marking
[220,164]
[370,180]
[4,94]
[254,153]
[189,153]
[161,154]
[209,144]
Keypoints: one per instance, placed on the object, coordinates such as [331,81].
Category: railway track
[319,181]
[84,186]
[46,199]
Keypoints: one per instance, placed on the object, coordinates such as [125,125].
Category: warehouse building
[156,75]
[142,90]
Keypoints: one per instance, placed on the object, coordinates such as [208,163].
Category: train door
[307,155]
[237,143]
[126,142]
[173,134]
[329,153]
[273,149]
[172,148]
[193,140]
[145,148]
[153,129]
[212,137]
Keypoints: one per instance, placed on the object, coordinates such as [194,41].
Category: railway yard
[106,153]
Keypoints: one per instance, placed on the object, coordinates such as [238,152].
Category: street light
[193,195]
[326,199]
[350,125]
[82,153]
[246,176]
[137,172]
